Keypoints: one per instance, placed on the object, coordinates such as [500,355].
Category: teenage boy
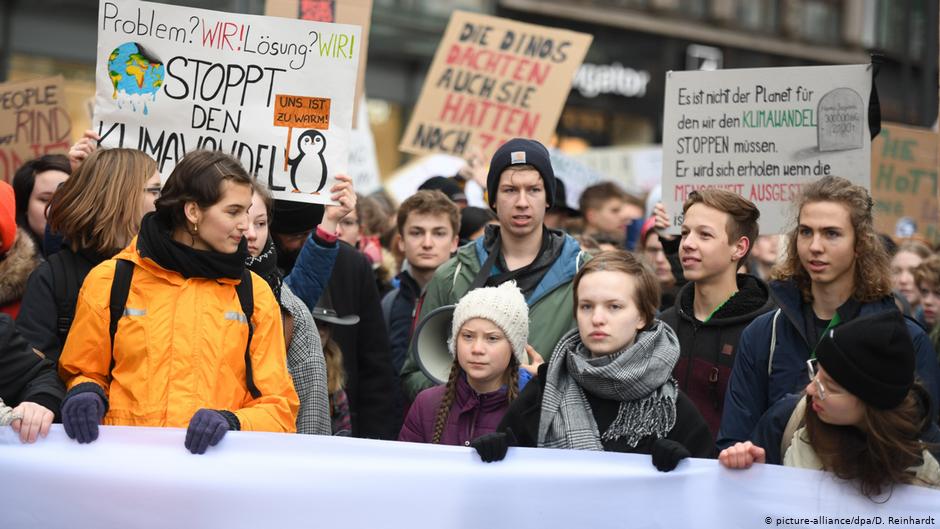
[520,187]
[716,304]
[428,224]
[835,270]
[607,211]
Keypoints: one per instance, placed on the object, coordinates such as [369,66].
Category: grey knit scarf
[638,376]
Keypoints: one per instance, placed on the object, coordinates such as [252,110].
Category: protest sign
[638,169]
[33,122]
[355,12]
[904,164]
[276,93]
[363,162]
[491,80]
[144,478]
[764,133]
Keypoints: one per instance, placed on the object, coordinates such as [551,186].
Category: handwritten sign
[33,122]
[491,80]
[764,133]
[274,92]
[904,164]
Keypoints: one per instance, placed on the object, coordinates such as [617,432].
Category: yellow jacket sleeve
[86,356]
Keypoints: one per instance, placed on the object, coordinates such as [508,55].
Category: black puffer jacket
[707,349]
[26,374]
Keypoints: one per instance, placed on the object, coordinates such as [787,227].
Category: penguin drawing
[309,161]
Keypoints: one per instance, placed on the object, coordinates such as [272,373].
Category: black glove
[206,428]
[667,454]
[493,446]
[81,414]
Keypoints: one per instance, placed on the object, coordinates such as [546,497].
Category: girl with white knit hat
[490,329]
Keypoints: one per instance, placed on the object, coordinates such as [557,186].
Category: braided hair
[443,411]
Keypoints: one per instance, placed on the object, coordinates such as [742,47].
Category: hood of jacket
[752,299]
[563,269]
[15,267]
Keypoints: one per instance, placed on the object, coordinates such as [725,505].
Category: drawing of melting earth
[135,75]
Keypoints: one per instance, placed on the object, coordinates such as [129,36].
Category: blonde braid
[444,409]
[512,391]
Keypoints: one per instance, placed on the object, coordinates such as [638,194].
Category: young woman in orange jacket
[185,353]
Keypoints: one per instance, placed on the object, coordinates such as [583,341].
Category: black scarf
[265,265]
[155,242]
[528,277]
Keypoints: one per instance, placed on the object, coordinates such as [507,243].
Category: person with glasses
[835,270]
[97,212]
[863,416]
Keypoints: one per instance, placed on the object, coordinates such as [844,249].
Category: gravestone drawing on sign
[841,121]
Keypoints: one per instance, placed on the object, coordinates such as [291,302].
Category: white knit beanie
[503,305]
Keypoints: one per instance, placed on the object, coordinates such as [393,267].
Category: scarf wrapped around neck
[265,265]
[639,377]
[156,242]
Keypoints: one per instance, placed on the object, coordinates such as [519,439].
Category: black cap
[325,312]
[445,185]
[289,218]
[872,357]
[472,219]
[521,151]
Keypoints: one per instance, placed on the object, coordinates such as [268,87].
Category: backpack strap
[773,343]
[120,287]
[247,300]
[65,287]
[796,419]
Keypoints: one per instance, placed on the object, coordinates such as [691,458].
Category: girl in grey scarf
[609,385]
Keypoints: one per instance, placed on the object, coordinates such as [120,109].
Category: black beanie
[521,151]
[872,357]
[289,218]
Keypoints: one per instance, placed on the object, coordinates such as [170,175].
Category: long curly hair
[447,401]
[879,456]
[872,266]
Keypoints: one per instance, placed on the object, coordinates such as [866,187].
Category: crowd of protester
[205,304]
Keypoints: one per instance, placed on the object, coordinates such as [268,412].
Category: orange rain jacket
[179,347]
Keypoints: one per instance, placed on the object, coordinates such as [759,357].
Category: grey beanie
[503,305]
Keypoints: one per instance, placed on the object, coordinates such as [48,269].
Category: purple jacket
[471,415]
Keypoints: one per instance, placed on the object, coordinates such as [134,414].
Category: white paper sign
[764,133]
[276,93]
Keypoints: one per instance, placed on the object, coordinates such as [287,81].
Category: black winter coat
[372,387]
[707,349]
[25,374]
[524,412]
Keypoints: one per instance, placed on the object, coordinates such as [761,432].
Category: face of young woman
[840,407]
[902,275]
[607,314]
[257,233]
[44,186]
[221,226]
[151,193]
[483,352]
[348,229]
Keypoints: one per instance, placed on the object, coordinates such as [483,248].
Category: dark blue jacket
[312,270]
[757,381]
[400,304]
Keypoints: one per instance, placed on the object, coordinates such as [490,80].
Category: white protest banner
[363,162]
[144,478]
[276,93]
[493,79]
[764,133]
[33,122]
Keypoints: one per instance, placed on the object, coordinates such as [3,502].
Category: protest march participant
[764,253]
[327,320]
[372,386]
[606,211]
[35,182]
[473,220]
[489,332]
[428,223]
[449,186]
[836,270]
[96,214]
[18,254]
[716,304]
[908,256]
[651,248]
[927,280]
[863,418]
[305,361]
[608,385]
[174,330]
[29,384]
[520,188]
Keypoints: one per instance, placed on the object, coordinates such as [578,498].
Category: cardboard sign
[355,12]
[33,122]
[493,79]
[276,93]
[764,133]
[904,164]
